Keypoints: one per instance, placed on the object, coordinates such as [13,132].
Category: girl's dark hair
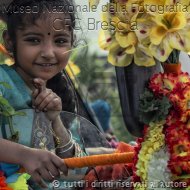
[21,13]
[18,18]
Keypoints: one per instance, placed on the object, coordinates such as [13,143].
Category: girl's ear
[7,41]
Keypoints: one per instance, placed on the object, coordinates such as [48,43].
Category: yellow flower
[164,31]
[126,11]
[184,78]
[166,23]
[177,2]
[72,69]
[122,44]
[153,141]
[106,36]
[138,31]
[151,6]
[94,2]
[127,40]
[117,56]
[9,61]
[154,2]
[143,56]
[171,31]
[111,40]
[163,6]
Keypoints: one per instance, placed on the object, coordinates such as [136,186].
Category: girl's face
[43,49]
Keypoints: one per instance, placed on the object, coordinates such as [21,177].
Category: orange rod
[98,160]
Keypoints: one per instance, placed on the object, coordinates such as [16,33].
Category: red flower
[179,167]
[162,84]
[180,96]
[178,142]
[177,138]
[3,184]
[172,117]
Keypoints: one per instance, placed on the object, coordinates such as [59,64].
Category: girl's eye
[61,41]
[33,40]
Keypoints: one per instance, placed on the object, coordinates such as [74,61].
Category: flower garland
[163,156]
[142,31]
[158,171]
[153,141]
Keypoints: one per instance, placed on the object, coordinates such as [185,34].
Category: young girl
[40,36]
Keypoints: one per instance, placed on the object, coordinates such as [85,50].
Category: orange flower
[162,83]
[179,167]
[178,142]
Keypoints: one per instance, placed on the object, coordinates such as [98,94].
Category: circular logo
[56,183]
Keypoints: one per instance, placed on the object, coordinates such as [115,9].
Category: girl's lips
[46,64]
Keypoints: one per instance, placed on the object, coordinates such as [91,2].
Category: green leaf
[3,101]
[152,109]
[8,113]
[173,57]
[6,108]
[19,113]
[6,85]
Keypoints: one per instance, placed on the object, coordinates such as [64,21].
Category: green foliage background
[97,80]
[2,28]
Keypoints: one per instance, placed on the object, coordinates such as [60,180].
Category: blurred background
[96,79]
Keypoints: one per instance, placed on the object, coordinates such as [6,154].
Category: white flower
[158,173]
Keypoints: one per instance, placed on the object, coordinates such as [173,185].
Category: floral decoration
[144,31]
[153,140]
[163,155]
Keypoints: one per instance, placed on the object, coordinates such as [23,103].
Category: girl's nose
[47,51]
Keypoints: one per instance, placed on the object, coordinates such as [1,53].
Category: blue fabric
[22,124]
[9,169]
[13,178]
[19,95]
[19,98]
[103,112]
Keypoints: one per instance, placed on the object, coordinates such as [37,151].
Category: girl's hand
[42,165]
[46,100]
